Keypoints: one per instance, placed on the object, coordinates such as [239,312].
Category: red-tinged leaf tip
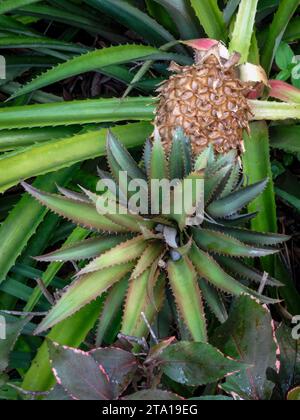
[284,91]
[201,44]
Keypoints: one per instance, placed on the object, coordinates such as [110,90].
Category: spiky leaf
[183,281]
[81,213]
[236,201]
[81,292]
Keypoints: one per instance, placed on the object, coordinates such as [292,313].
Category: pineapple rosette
[137,259]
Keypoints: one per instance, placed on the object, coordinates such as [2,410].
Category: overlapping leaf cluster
[150,249]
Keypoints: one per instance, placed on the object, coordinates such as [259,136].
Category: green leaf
[88,62]
[75,16]
[134,19]
[292,32]
[183,17]
[123,253]
[247,336]
[9,5]
[13,139]
[220,243]
[243,29]
[14,236]
[251,237]
[257,166]
[196,364]
[180,157]
[36,43]
[51,156]
[210,18]
[284,56]
[287,188]
[48,276]
[237,200]
[246,272]
[110,315]
[81,213]
[214,300]
[125,161]
[150,255]
[136,301]
[275,111]
[277,29]
[77,112]
[82,292]
[87,249]
[285,138]
[189,196]
[210,270]
[183,281]
[159,169]
[79,373]
[12,331]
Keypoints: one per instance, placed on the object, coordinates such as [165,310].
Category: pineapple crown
[145,251]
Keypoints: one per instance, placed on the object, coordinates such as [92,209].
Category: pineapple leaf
[251,237]
[147,157]
[180,157]
[82,292]
[189,194]
[118,213]
[244,271]
[236,200]
[125,161]
[73,195]
[159,166]
[205,158]
[87,249]
[232,182]
[151,307]
[136,300]
[123,253]
[81,213]
[210,270]
[219,243]
[183,281]
[90,61]
[151,253]
[214,300]
[214,181]
[109,312]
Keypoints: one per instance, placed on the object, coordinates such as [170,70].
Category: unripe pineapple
[207,100]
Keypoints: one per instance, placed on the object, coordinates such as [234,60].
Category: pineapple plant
[154,252]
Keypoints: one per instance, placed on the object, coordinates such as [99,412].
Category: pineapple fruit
[134,256]
[207,99]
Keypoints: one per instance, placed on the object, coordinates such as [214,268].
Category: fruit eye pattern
[208,101]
